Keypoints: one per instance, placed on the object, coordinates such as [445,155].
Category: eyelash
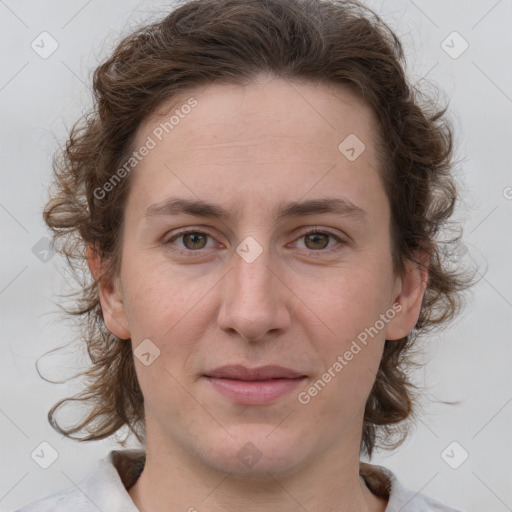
[303,234]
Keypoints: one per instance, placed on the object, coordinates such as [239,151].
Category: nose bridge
[251,274]
[253,302]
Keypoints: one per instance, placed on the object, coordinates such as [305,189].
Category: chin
[256,453]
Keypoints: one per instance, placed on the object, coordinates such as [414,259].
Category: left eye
[315,240]
[318,240]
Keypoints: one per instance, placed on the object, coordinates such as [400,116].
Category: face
[256,281]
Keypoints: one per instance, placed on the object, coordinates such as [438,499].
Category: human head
[232,42]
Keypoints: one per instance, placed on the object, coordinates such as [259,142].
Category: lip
[254,386]
[240,372]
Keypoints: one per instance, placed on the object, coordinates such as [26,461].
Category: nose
[255,302]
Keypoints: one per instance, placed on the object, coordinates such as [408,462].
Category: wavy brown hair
[233,41]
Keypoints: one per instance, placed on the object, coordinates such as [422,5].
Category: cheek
[349,308]
[160,298]
[351,299]
[163,308]
[173,309]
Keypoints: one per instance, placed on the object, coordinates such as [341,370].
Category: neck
[175,480]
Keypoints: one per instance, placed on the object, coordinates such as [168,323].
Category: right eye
[192,240]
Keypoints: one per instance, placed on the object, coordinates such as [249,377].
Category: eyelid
[318,229]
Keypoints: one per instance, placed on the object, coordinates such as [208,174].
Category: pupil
[315,237]
[195,238]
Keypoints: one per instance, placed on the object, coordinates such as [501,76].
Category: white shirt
[105,489]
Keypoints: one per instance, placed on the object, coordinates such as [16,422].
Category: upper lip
[240,372]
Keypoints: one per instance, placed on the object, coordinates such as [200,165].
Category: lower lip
[255,392]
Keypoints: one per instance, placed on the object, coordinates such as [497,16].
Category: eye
[318,240]
[192,240]
[315,239]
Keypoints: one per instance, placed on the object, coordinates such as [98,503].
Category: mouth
[256,386]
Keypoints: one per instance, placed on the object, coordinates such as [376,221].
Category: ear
[111,298]
[409,291]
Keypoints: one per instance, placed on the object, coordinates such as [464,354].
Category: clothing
[105,489]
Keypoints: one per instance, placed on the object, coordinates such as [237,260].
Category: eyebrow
[198,208]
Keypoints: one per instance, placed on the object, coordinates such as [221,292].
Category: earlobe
[110,297]
[411,290]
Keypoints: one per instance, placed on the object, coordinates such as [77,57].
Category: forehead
[267,106]
[272,138]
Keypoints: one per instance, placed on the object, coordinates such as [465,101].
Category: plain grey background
[41,95]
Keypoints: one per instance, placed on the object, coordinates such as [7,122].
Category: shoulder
[67,500]
[104,488]
[384,482]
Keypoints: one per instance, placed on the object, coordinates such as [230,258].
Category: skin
[299,305]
